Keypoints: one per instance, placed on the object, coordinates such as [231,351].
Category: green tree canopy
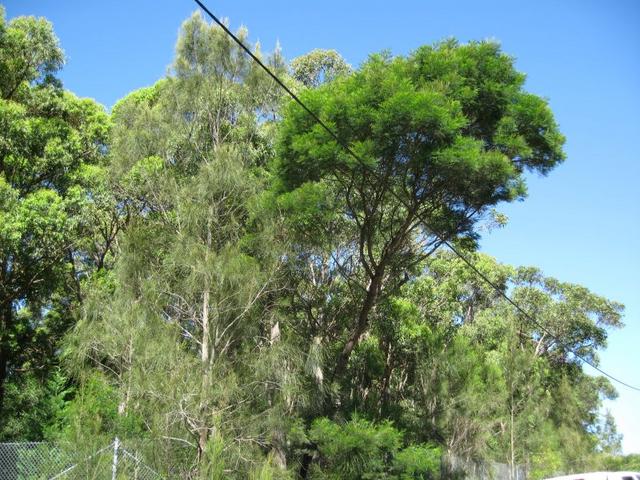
[51,150]
[443,135]
[250,301]
[319,66]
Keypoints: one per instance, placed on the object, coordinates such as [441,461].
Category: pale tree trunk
[278,437]
[206,329]
[122,407]
[512,443]
[205,354]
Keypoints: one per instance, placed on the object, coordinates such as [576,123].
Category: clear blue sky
[581,224]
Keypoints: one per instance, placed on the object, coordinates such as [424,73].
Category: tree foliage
[442,136]
[241,298]
[51,154]
[318,67]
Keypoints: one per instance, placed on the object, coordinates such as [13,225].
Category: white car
[600,476]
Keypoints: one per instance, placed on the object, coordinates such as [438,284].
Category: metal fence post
[114,467]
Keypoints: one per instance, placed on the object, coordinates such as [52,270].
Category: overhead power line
[443,240]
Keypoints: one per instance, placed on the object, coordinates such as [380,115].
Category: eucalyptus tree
[319,66]
[51,156]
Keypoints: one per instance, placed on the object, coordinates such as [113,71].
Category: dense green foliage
[51,155]
[206,274]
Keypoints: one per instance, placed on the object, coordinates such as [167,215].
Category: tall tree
[51,146]
[444,135]
[185,318]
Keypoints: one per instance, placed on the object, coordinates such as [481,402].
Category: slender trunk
[278,437]
[540,345]
[278,444]
[363,322]
[305,463]
[74,276]
[206,327]
[205,355]
[513,456]
[122,407]
[371,298]
[3,372]
[512,438]
[469,315]
[386,379]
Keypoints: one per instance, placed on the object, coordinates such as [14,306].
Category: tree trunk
[386,379]
[278,437]
[4,358]
[122,407]
[371,298]
[305,463]
[278,445]
[363,321]
[206,329]
[205,356]
[512,459]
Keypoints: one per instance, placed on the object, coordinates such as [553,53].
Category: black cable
[279,82]
[440,237]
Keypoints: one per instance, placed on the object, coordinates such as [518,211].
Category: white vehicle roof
[600,476]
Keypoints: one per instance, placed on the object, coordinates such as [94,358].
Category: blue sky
[580,224]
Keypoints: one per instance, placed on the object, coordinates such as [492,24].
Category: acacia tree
[443,135]
[51,151]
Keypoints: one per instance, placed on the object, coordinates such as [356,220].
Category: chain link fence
[40,461]
[116,461]
[31,460]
